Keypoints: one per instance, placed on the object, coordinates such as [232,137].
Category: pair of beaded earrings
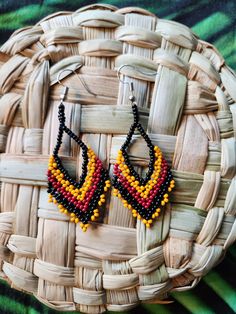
[82,200]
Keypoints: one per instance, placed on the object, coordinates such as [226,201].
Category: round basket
[189,110]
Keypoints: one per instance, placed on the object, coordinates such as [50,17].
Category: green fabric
[213,21]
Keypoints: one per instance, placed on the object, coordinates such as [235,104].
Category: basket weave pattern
[190,112]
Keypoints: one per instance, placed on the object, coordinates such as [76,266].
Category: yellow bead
[65,211]
[166,195]
[139,217]
[148,225]
[60,206]
[93,218]
[150,221]
[76,220]
[153,216]
[144,221]
[102,196]
[55,201]
[81,225]
[162,203]
[54,164]
[84,229]
[96,214]
[72,214]
[100,203]
[72,219]
[169,189]
[166,200]
[96,211]
[158,210]
[134,215]
[62,210]
[134,211]
[105,189]
[49,200]
[129,206]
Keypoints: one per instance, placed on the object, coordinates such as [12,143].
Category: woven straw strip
[22,245]
[21,278]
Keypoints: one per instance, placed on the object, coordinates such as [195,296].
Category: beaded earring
[80,200]
[145,197]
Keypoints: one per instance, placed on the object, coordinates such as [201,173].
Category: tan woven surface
[190,112]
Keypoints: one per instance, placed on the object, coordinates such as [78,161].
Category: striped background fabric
[213,21]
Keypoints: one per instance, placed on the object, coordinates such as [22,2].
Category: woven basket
[189,111]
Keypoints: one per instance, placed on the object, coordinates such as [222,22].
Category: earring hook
[131,85]
[66,87]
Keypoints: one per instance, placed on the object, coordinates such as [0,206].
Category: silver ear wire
[131,86]
[133,67]
[81,80]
